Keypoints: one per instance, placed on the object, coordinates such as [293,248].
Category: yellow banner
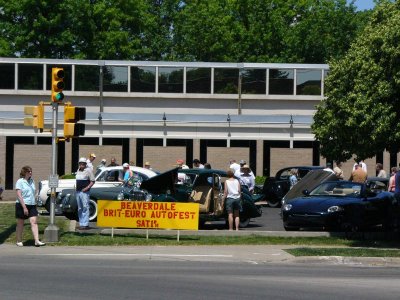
[157,215]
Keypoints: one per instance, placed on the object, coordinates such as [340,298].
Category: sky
[364,4]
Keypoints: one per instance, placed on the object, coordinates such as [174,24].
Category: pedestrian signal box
[36,116]
[72,115]
[57,84]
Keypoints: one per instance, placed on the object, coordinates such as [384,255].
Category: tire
[244,223]
[71,216]
[47,205]
[289,228]
[274,204]
[92,210]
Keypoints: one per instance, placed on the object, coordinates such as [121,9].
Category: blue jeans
[82,200]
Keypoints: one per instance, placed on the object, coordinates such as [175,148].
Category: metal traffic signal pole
[51,233]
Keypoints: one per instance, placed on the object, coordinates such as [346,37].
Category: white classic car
[107,176]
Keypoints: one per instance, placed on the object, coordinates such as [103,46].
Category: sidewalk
[252,254]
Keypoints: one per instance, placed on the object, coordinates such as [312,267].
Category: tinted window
[7,76]
[226,81]
[30,77]
[143,79]
[253,81]
[198,80]
[308,82]
[281,82]
[115,79]
[86,78]
[170,80]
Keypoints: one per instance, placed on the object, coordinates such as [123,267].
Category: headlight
[120,196]
[335,208]
[287,207]
[149,197]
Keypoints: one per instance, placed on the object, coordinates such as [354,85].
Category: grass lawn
[307,245]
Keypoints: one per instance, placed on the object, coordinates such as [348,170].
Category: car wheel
[71,216]
[274,203]
[244,222]
[92,210]
[290,228]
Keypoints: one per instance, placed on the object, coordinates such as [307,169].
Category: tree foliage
[309,31]
[361,113]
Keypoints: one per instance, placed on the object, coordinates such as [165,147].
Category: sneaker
[39,244]
[20,244]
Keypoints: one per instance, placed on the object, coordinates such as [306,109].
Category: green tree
[361,112]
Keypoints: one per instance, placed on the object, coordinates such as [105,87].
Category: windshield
[338,189]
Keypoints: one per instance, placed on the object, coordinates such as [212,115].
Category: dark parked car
[203,186]
[342,205]
[275,188]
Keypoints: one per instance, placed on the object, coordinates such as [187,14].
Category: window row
[151,79]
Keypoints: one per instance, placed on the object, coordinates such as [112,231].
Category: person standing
[232,194]
[338,170]
[84,181]
[197,164]
[113,162]
[380,172]
[247,178]
[147,165]
[25,206]
[392,186]
[362,164]
[293,177]
[102,164]
[234,165]
[358,175]
[89,162]
[128,173]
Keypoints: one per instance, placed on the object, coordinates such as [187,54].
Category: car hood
[161,183]
[309,182]
[319,203]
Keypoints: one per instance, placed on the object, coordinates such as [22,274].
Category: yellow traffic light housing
[72,115]
[36,118]
[57,84]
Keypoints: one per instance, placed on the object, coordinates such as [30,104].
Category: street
[184,273]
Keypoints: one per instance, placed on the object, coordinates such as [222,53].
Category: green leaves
[362,106]
[309,31]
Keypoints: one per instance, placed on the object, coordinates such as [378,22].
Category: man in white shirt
[234,165]
[89,161]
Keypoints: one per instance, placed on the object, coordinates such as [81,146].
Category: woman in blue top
[25,206]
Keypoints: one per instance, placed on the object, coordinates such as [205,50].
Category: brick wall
[219,157]
[163,158]
[284,157]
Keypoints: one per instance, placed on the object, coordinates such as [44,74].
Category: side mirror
[306,192]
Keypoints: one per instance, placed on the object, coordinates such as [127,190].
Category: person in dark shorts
[25,206]
[232,194]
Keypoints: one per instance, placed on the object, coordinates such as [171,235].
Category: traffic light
[72,115]
[57,84]
[36,118]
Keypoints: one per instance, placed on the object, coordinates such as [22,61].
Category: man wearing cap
[147,165]
[239,172]
[102,164]
[84,181]
[89,162]
[127,172]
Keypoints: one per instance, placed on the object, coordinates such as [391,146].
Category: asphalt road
[169,273]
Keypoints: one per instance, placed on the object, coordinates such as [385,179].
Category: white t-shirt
[232,188]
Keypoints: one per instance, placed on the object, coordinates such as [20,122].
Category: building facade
[163,111]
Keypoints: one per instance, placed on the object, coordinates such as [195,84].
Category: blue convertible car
[342,205]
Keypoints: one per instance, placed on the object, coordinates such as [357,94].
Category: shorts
[19,211]
[233,204]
